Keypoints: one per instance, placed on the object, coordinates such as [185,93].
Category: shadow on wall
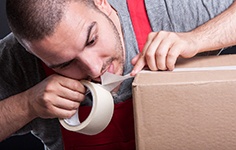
[28,141]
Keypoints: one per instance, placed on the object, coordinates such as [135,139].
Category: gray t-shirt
[21,70]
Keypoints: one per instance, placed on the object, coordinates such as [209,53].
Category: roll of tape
[100,114]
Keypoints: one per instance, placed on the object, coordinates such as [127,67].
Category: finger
[172,57]
[66,104]
[150,50]
[55,106]
[150,56]
[63,113]
[161,54]
[140,60]
[65,87]
[69,94]
[72,84]
[157,51]
[140,63]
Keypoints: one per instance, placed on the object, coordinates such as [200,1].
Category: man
[83,39]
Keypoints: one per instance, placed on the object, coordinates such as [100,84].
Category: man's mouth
[111,69]
[108,69]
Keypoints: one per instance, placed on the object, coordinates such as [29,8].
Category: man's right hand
[56,97]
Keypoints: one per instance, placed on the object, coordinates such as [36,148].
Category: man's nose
[94,70]
[92,67]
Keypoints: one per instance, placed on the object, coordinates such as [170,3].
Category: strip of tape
[206,68]
[214,68]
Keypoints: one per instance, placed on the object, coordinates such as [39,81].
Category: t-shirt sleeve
[19,70]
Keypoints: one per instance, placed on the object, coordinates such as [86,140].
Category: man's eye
[64,65]
[91,42]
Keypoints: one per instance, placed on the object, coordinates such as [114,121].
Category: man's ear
[104,6]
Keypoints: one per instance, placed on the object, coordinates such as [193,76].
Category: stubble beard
[119,57]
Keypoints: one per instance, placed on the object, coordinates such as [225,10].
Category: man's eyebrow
[89,29]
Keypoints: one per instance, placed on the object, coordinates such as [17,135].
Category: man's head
[76,38]
[39,17]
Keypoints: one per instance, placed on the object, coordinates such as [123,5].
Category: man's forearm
[219,32]
[15,113]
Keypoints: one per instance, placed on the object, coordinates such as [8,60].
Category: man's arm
[15,113]
[163,48]
[218,32]
[54,97]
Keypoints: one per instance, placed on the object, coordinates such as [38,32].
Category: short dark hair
[35,19]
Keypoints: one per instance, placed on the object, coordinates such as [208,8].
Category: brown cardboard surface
[187,110]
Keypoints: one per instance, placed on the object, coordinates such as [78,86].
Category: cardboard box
[187,110]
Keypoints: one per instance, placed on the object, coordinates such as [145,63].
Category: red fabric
[140,21]
[47,70]
[119,134]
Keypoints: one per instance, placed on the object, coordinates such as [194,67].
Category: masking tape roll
[100,114]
